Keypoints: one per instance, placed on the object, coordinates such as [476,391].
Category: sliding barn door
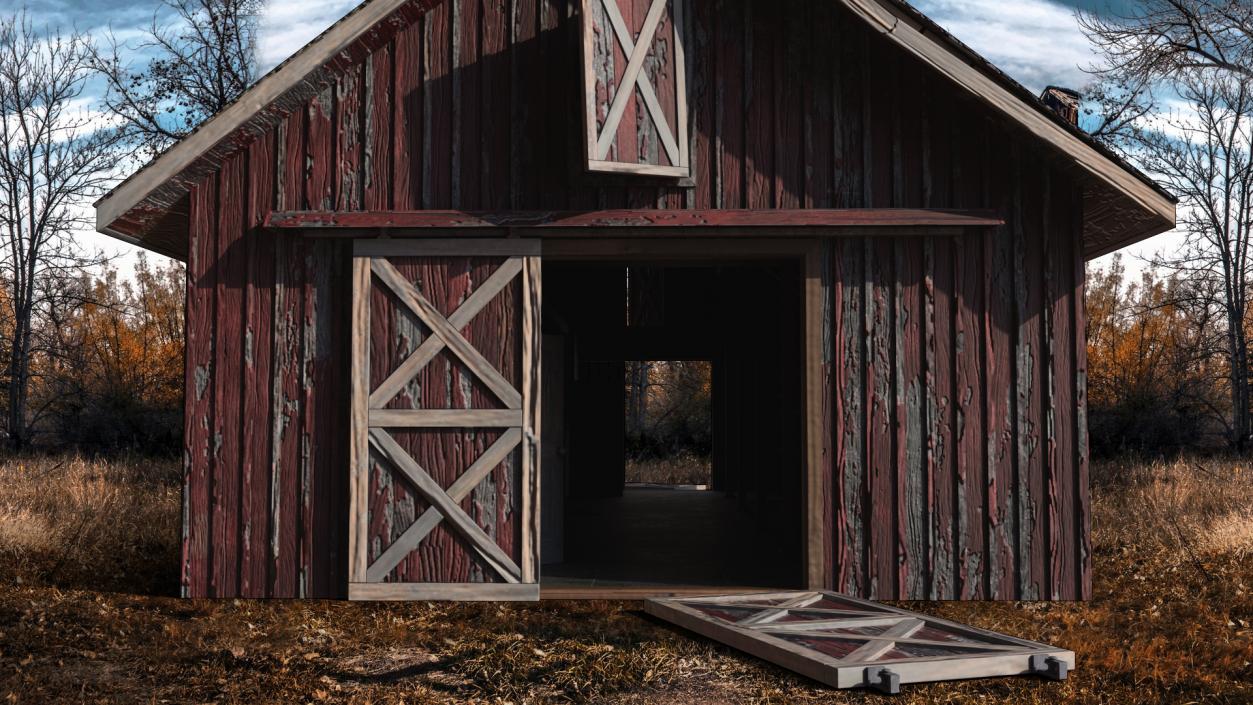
[445,420]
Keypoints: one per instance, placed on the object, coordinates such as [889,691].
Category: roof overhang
[133,209]
[1122,206]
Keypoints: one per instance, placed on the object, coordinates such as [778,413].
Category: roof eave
[327,50]
[949,60]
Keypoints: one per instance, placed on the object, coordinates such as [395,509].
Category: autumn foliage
[107,366]
[1157,378]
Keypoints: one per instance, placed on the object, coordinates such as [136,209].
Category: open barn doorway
[717,504]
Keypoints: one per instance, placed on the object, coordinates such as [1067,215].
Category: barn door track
[846,642]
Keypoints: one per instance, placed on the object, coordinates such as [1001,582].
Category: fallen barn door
[845,642]
[444,489]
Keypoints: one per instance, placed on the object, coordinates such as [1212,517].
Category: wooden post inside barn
[875,238]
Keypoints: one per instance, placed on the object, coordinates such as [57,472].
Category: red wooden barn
[875,237]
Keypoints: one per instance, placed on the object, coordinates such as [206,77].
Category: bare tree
[202,57]
[1202,52]
[53,157]
[1151,45]
[1205,156]
[1163,37]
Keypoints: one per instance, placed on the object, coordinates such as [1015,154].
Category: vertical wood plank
[408,125]
[554,109]
[494,65]
[820,153]
[319,151]
[936,164]
[999,371]
[227,398]
[524,60]
[732,63]
[378,142]
[285,412]
[347,179]
[437,136]
[848,114]
[880,313]
[759,104]
[532,337]
[913,484]
[701,59]
[943,287]
[320,147]
[1063,479]
[1083,503]
[790,53]
[359,447]
[852,552]
[817,433]
[969,275]
[1029,277]
[467,119]
[198,406]
[256,526]
[879,76]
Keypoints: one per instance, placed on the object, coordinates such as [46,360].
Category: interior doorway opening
[620,508]
[669,424]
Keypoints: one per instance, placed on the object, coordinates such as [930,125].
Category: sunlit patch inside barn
[672,424]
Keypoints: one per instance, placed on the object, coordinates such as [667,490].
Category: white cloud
[1037,42]
[290,24]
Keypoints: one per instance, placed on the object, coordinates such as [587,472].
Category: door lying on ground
[848,643]
[444,484]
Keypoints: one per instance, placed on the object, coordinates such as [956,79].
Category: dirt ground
[1171,620]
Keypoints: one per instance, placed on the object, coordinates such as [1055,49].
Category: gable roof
[1123,207]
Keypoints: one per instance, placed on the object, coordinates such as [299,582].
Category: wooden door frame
[525,584]
[813,253]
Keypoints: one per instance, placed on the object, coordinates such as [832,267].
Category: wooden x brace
[446,332]
[444,505]
[633,77]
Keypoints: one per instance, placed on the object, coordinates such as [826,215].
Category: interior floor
[666,537]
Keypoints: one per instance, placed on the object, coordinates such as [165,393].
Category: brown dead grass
[1169,622]
[680,470]
[71,521]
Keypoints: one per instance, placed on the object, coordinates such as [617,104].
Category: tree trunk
[19,375]
[1237,353]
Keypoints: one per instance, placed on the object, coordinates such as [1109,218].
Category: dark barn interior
[745,317]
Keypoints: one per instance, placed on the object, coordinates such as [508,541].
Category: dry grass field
[681,470]
[88,561]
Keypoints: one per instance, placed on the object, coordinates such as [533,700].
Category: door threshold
[636,591]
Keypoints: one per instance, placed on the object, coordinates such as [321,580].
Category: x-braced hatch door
[444,489]
[635,87]
[845,642]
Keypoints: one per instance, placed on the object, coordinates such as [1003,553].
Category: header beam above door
[554,222]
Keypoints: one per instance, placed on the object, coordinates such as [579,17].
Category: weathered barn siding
[956,472]
[956,364]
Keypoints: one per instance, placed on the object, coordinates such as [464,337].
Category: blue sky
[1038,42]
